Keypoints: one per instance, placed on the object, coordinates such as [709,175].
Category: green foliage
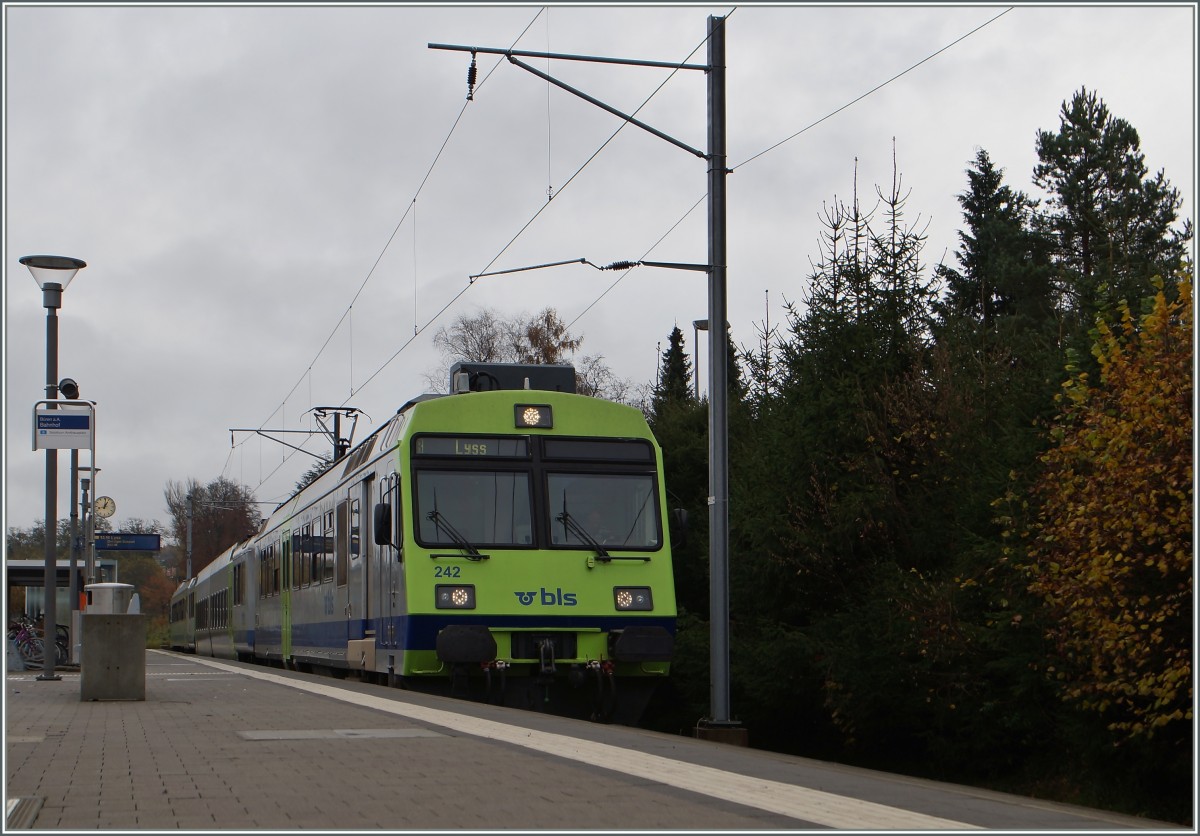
[681,428]
[935,567]
[1111,548]
[675,376]
[30,543]
[1112,226]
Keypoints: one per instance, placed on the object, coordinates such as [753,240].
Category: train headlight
[540,416]
[455,597]
[633,598]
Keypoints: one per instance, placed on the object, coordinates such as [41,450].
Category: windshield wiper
[444,525]
[579,531]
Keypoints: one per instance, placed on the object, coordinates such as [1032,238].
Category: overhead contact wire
[379,258]
[874,89]
[535,216]
[830,115]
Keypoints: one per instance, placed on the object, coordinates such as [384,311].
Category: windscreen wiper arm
[579,531]
[453,533]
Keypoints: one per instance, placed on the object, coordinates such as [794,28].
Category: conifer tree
[675,376]
[1004,264]
[1113,227]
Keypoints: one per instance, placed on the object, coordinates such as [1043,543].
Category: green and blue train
[508,541]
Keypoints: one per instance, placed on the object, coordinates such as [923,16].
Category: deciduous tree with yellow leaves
[1110,555]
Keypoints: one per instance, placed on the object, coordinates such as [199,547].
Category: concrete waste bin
[113,659]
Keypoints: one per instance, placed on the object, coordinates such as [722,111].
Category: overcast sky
[255,191]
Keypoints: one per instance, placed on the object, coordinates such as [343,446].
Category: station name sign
[65,428]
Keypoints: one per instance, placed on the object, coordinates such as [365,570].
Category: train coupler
[546,665]
[606,690]
[493,671]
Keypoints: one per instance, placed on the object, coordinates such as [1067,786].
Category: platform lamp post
[70,389]
[52,273]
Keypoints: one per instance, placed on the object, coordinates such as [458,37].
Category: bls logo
[557,598]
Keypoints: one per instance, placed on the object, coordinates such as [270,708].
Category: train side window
[341,540]
[315,553]
[327,548]
[355,529]
[398,519]
[303,547]
[385,526]
[289,563]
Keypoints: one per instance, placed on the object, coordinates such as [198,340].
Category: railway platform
[219,745]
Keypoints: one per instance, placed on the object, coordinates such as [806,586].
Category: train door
[341,551]
[389,583]
[361,554]
[352,572]
[383,575]
[386,543]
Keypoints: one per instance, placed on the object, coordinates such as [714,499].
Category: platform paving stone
[180,759]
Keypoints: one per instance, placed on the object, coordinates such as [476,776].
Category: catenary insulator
[472,75]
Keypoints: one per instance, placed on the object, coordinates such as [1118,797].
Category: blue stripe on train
[419,632]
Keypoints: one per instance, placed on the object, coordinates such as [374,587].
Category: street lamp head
[700,324]
[53,269]
[69,389]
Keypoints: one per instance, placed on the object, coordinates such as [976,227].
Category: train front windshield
[563,494]
[610,509]
[479,506]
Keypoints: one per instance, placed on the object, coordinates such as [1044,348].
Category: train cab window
[608,508]
[387,524]
[475,507]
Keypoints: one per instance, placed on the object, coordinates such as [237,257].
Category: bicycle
[62,644]
[29,644]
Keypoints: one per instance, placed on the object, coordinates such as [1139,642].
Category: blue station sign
[119,541]
[62,428]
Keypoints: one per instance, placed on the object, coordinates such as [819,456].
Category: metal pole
[52,300]
[76,552]
[718,372]
[89,525]
[189,537]
[76,538]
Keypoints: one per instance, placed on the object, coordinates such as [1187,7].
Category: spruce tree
[1004,264]
[1113,227]
[675,376]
